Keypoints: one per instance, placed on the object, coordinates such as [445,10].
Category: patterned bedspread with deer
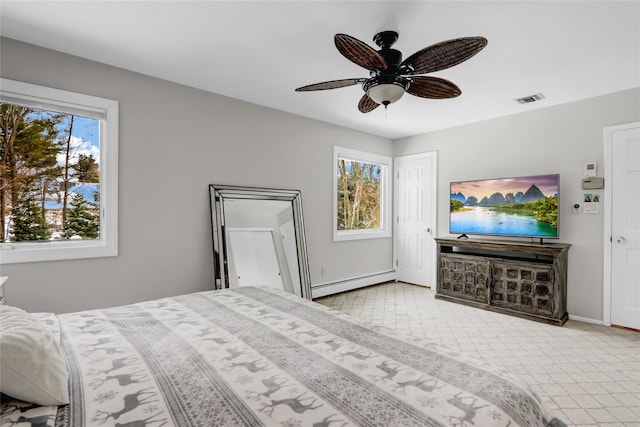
[260,357]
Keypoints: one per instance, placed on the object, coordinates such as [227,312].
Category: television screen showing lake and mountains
[523,206]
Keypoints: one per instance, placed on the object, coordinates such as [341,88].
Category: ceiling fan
[390,76]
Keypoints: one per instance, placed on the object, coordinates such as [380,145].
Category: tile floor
[589,375]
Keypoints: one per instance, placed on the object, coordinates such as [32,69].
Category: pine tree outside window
[58,174]
[361,195]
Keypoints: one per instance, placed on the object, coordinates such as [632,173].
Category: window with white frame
[58,174]
[361,195]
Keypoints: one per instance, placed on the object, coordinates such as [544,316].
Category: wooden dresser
[523,279]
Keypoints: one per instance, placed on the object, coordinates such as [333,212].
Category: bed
[257,356]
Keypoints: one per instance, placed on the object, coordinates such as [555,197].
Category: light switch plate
[591,208]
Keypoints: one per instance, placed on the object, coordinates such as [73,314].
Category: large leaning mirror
[258,238]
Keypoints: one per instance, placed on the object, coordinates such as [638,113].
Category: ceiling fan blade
[367,104]
[359,52]
[333,84]
[432,87]
[443,55]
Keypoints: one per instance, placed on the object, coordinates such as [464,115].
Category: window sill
[14,253]
[360,235]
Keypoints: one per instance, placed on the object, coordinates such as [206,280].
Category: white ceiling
[260,51]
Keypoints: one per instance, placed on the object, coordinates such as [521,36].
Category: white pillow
[32,367]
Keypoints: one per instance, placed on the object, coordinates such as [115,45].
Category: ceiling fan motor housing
[391,75]
[386,86]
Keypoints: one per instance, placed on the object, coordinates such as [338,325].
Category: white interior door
[625,225]
[254,257]
[415,190]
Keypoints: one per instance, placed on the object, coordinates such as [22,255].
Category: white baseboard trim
[585,320]
[330,288]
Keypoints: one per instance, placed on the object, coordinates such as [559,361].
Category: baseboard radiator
[330,288]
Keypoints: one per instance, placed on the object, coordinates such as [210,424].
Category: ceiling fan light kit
[384,93]
[390,77]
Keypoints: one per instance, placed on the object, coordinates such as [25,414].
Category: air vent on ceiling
[529,99]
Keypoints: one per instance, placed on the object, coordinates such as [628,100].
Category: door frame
[608,212]
[434,207]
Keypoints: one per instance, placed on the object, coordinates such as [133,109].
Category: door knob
[620,239]
[428,230]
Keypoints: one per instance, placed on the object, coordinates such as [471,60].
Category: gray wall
[174,142]
[558,139]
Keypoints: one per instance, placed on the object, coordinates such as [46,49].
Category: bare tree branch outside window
[359,195]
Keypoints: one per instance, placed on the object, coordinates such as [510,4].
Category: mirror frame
[219,193]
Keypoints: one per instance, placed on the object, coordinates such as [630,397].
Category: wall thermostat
[590,169]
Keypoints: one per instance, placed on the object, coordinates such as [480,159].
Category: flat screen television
[524,206]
